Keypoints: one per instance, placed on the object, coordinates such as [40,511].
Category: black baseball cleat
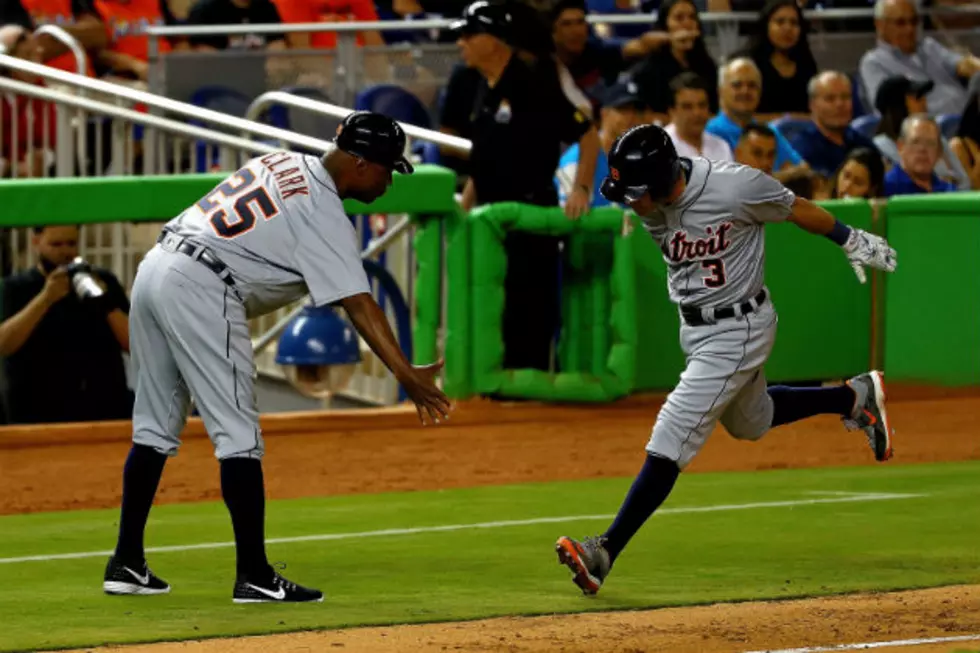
[273,589]
[869,413]
[132,580]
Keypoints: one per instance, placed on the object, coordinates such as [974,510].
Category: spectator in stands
[919,147]
[127,54]
[900,53]
[520,117]
[77,17]
[966,144]
[757,148]
[327,11]
[63,355]
[621,110]
[27,124]
[825,141]
[861,175]
[235,12]
[687,51]
[781,50]
[688,117]
[740,88]
[593,61]
[898,98]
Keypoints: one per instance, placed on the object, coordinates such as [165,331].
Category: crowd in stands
[543,94]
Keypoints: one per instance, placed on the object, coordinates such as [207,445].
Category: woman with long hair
[897,99]
[861,175]
[686,52]
[781,50]
[966,144]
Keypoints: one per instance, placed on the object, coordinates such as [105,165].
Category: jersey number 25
[236,187]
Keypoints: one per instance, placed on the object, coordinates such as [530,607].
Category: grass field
[464,554]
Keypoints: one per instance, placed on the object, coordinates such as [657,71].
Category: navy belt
[200,253]
[695,316]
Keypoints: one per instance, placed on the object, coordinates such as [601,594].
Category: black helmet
[641,160]
[375,138]
[486,17]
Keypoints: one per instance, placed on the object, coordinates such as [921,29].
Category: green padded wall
[932,320]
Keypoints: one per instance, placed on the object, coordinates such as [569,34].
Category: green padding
[459,337]
[598,321]
[932,321]
[63,200]
[824,311]
[428,253]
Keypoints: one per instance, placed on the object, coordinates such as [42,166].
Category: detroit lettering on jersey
[281,228]
[713,238]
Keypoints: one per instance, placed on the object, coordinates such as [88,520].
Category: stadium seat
[949,123]
[866,125]
[428,151]
[394,102]
[216,98]
[788,127]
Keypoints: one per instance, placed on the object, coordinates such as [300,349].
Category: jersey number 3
[244,206]
[717,278]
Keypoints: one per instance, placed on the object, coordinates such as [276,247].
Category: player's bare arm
[862,248]
[419,382]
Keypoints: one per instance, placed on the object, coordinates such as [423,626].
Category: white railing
[69,41]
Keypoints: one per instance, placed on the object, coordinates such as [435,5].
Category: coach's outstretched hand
[418,380]
[868,249]
[429,399]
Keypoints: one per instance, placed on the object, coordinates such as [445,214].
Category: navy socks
[792,404]
[652,486]
[243,489]
[141,476]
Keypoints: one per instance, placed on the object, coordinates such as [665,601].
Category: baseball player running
[268,235]
[708,218]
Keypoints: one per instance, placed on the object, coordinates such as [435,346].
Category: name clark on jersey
[290,181]
[681,249]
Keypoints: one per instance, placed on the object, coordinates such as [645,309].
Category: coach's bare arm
[418,381]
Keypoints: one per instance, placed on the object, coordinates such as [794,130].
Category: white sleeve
[328,255]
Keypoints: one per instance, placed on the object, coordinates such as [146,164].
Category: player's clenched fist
[868,249]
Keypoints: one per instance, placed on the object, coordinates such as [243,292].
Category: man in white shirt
[689,114]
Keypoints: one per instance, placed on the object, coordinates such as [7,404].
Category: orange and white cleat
[869,413]
[588,560]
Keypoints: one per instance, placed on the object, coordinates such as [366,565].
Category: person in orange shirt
[327,11]
[126,21]
[77,17]
[27,135]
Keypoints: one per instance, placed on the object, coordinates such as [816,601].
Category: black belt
[693,316]
[199,253]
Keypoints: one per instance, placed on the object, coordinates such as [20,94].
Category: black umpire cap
[643,160]
[375,138]
[485,17]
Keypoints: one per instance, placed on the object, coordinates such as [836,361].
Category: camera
[85,285]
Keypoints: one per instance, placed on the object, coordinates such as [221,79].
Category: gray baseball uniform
[280,229]
[713,241]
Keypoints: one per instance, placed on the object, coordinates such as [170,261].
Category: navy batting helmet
[643,160]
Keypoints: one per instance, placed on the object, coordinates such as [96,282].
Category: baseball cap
[620,94]
[485,17]
[894,89]
[375,138]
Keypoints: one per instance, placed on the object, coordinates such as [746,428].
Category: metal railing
[69,41]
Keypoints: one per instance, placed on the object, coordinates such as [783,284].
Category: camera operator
[65,326]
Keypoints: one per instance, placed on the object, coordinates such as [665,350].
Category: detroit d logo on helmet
[614,173]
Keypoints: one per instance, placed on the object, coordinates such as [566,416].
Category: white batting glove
[868,249]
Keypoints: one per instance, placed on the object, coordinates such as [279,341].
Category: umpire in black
[518,121]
